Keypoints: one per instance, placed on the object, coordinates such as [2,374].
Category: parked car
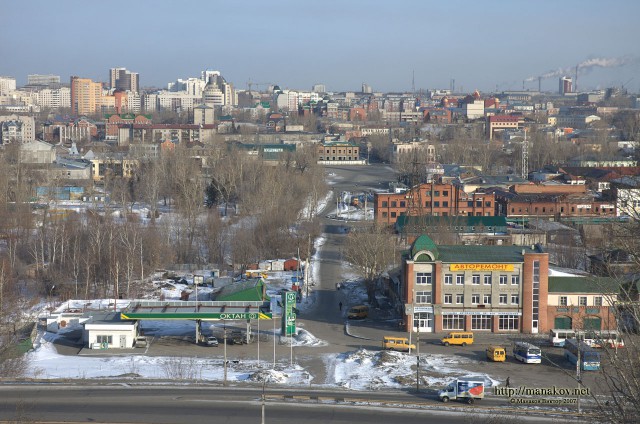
[212,341]
[141,341]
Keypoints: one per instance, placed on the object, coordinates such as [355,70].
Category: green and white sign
[288,325]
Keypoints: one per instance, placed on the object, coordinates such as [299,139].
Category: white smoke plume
[586,66]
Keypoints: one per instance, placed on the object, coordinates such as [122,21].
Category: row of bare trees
[105,249]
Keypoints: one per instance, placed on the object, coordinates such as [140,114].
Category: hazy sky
[483,44]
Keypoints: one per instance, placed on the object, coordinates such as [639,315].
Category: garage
[562,323]
[592,323]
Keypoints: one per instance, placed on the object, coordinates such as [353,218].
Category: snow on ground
[373,370]
[48,364]
[356,370]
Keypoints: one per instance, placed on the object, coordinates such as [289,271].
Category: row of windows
[475,299]
[544,210]
[480,322]
[475,279]
[436,204]
[582,301]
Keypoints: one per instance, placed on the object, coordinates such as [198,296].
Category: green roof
[424,243]
[494,222]
[249,290]
[589,284]
[484,254]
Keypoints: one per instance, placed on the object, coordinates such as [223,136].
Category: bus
[589,357]
[527,353]
[558,336]
[602,339]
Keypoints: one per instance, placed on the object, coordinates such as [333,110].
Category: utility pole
[418,373]
[578,377]
[263,384]
[225,355]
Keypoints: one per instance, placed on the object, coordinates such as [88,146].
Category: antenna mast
[525,156]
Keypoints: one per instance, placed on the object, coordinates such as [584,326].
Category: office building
[121,79]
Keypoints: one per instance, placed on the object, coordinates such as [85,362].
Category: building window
[423,297]
[459,298]
[480,322]
[487,279]
[423,278]
[475,299]
[597,301]
[393,214]
[459,279]
[475,279]
[403,204]
[394,204]
[503,280]
[448,279]
[436,204]
[436,193]
[582,300]
[515,299]
[563,301]
[503,299]
[448,299]
[427,204]
[452,322]
[445,204]
[515,280]
[384,214]
[487,299]
[104,339]
[384,204]
[508,322]
[445,193]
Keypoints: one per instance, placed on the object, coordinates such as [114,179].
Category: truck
[463,389]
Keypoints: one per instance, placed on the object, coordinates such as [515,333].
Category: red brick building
[432,199]
[551,201]
[475,288]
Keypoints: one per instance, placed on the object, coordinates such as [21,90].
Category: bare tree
[371,251]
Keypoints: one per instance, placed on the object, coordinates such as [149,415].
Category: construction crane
[251,83]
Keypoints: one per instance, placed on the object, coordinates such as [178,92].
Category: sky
[391,46]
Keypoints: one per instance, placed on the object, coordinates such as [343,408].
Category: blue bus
[527,353]
[589,357]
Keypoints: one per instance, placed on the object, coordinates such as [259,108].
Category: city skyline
[390,47]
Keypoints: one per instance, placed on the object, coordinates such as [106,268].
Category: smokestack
[539,84]
[575,82]
[522,85]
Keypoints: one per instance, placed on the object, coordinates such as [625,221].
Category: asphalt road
[171,404]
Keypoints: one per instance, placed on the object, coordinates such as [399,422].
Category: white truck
[466,389]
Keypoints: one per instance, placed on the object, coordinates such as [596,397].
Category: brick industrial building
[432,199]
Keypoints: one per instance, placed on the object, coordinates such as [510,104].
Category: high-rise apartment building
[122,79]
[86,96]
[7,84]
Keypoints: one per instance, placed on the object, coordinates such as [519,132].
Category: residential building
[86,96]
[7,85]
[203,115]
[565,85]
[474,288]
[18,128]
